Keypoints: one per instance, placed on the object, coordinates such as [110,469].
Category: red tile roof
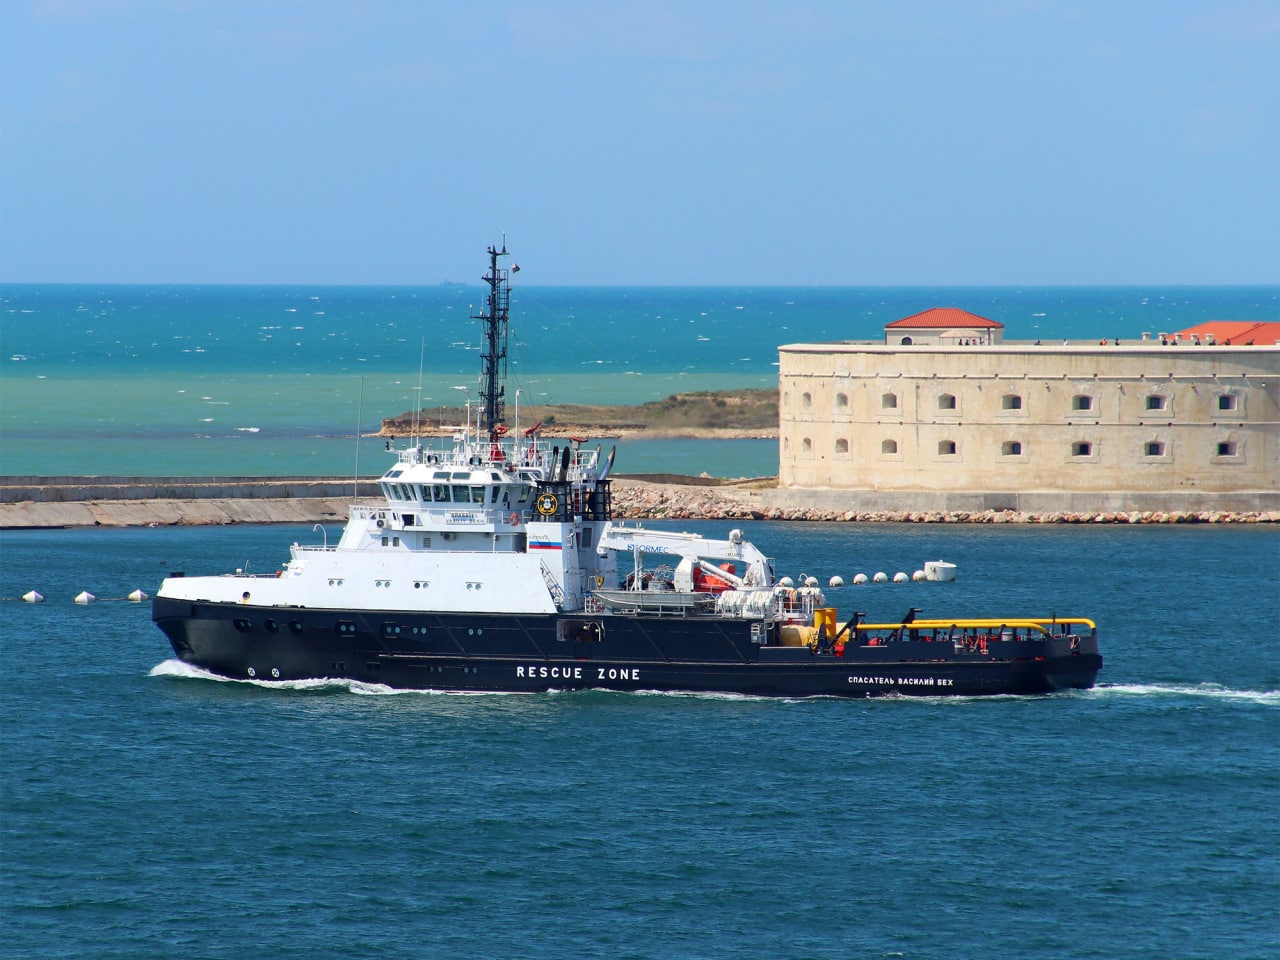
[946,318]
[1235,331]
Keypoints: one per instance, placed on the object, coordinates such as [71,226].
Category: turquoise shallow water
[261,381]
[151,814]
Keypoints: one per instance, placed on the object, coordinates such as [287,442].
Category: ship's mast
[493,359]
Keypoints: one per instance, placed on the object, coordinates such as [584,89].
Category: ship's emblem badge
[547,504]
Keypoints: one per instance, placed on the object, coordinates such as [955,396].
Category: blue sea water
[277,381]
[150,813]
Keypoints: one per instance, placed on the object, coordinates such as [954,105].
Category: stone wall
[1127,421]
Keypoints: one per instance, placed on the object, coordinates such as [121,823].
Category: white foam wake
[185,671]
[1211,691]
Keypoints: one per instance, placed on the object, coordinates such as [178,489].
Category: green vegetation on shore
[700,413]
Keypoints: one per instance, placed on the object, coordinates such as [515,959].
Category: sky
[641,142]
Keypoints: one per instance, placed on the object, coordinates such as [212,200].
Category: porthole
[271,626]
[243,625]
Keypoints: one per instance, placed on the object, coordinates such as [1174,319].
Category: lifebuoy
[515,519]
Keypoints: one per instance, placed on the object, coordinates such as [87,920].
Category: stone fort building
[947,406]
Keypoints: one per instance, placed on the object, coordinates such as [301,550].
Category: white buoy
[786,582]
[84,596]
[810,581]
[939,570]
[859,579]
[901,577]
[137,596]
[836,582]
[917,575]
[33,596]
[880,577]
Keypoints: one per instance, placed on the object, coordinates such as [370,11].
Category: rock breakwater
[31,504]
[646,501]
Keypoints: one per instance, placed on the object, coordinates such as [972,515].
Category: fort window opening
[1082,448]
[889,401]
[1082,401]
[888,446]
[806,401]
[1227,448]
[946,447]
[842,446]
[1156,402]
[1011,448]
[1155,448]
[1011,401]
[1227,401]
[842,401]
[947,401]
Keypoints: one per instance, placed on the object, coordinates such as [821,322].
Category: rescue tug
[495,565]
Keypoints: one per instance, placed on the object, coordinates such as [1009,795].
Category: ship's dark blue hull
[532,653]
